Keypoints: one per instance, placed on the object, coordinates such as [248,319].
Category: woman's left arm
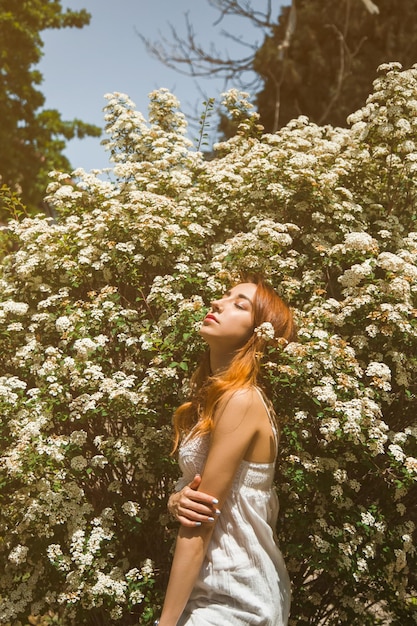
[192,507]
[233,431]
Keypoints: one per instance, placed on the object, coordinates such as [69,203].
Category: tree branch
[188,57]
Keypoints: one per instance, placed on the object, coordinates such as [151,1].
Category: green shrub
[98,317]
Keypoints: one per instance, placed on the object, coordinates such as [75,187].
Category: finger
[201,497]
[189,506]
[184,521]
[195,483]
[202,515]
[192,521]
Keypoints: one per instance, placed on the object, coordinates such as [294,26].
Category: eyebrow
[240,295]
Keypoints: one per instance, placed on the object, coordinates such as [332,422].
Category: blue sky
[81,65]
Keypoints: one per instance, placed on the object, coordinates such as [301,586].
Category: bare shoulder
[239,408]
[243,398]
[248,396]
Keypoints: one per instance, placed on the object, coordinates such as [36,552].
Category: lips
[210,316]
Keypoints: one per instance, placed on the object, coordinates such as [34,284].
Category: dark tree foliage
[319,58]
[328,68]
[32,139]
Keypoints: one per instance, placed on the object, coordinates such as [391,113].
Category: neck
[219,361]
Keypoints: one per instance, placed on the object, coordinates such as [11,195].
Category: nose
[216,305]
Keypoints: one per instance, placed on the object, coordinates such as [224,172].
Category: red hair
[208,391]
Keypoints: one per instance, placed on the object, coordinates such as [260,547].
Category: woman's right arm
[232,434]
[191,507]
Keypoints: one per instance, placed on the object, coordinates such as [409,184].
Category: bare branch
[188,57]
[345,62]
[371,6]
[261,19]
[253,46]
[281,56]
[340,75]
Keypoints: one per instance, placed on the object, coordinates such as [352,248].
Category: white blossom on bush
[265,331]
[99,311]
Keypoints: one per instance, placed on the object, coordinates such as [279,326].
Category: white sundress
[243,580]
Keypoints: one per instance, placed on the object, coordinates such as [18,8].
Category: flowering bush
[98,315]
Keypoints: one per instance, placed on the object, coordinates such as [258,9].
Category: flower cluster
[265,331]
[98,316]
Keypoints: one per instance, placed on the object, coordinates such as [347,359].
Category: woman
[229,570]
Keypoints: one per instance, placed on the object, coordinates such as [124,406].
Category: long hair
[208,391]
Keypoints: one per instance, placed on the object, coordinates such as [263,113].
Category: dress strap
[271,416]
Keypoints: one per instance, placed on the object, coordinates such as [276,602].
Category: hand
[191,507]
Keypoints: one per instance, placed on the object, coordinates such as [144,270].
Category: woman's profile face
[229,324]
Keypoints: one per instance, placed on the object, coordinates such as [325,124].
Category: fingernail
[197,523]
[210,519]
[215,501]
[217,511]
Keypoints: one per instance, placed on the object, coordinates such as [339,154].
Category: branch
[282,50]
[346,57]
[261,19]
[186,56]
[189,58]
[371,6]
[340,74]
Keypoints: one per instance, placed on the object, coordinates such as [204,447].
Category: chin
[203,333]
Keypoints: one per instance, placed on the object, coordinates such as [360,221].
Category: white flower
[16,308]
[390,262]
[136,596]
[411,464]
[131,508]
[362,565]
[381,375]
[78,463]
[361,242]
[63,323]
[101,340]
[265,331]
[354,275]
[396,452]
[367,518]
[147,568]
[18,554]
[84,346]
[128,247]
[78,437]
[325,393]
[15,327]
[378,369]
[99,460]
[54,551]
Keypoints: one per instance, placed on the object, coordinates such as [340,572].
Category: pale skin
[192,507]
[241,431]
